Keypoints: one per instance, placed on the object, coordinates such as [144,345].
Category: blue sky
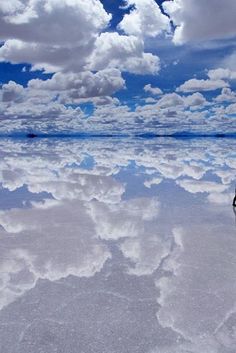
[118,66]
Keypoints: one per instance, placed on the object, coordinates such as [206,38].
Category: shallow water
[116,246]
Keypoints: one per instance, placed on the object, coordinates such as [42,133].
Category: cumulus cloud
[48,97]
[145,19]
[34,32]
[83,85]
[170,100]
[155,91]
[231,109]
[123,52]
[227,95]
[201,20]
[229,61]
[194,85]
[222,74]
[87,62]
[19,102]
[57,101]
[11,92]
[195,100]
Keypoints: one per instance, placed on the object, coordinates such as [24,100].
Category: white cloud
[194,85]
[231,109]
[150,100]
[227,95]
[170,100]
[11,92]
[82,85]
[125,53]
[145,20]
[222,74]
[34,32]
[229,62]
[155,91]
[47,98]
[49,111]
[195,100]
[17,102]
[201,20]
[89,59]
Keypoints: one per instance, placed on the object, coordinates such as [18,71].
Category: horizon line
[86,135]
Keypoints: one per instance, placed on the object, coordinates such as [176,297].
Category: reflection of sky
[110,246]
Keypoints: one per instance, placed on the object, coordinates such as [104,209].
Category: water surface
[116,246]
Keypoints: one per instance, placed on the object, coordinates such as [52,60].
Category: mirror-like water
[113,246]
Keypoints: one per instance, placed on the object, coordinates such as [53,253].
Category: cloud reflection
[166,246]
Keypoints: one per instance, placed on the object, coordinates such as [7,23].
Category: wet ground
[117,246]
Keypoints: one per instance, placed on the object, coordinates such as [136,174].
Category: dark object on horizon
[234,200]
[31,135]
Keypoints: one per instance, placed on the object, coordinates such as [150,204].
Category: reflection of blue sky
[19,198]
[89,258]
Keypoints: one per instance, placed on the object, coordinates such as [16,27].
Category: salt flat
[117,246]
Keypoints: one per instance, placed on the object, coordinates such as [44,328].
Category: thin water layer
[116,246]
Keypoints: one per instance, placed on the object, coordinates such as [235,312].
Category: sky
[115,66]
